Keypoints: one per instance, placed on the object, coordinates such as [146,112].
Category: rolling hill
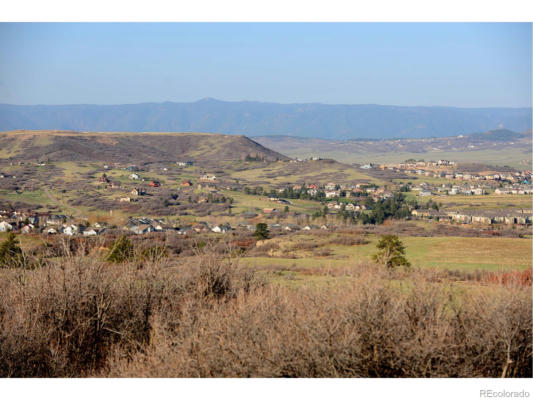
[335,122]
[498,147]
[129,147]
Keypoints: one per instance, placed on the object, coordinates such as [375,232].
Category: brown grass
[212,318]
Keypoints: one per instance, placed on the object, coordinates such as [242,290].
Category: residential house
[350,207]
[142,229]
[200,227]
[70,230]
[269,211]
[27,229]
[208,178]
[330,186]
[221,228]
[5,226]
[138,192]
[56,220]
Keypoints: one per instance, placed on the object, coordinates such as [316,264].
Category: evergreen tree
[121,250]
[10,252]
[391,252]
[261,231]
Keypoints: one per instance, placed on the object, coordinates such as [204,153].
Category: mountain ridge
[252,118]
[128,146]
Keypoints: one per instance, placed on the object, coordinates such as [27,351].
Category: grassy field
[492,201]
[37,197]
[310,172]
[510,156]
[452,253]
[245,203]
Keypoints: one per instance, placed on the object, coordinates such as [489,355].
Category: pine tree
[261,231]
[391,252]
[121,250]
[10,252]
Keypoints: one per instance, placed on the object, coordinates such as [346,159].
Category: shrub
[208,317]
[121,250]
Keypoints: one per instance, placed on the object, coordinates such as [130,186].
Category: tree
[10,252]
[261,231]
[121,250]
[391,252]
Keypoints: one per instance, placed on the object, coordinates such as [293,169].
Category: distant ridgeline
[336,122]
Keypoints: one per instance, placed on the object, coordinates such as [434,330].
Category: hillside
[498,147]
[336,122]
[129,147]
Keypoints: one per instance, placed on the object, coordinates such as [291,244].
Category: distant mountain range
[335,122]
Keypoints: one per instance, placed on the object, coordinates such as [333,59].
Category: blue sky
[447,64]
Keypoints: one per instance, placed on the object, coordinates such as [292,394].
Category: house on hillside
[154,184]
[221,228]
[142,229]
[138,192]
[201,226]
[56,220]
[134,177]
[27,229]
[186,183]
[208,178]
[5,226]
[70,230]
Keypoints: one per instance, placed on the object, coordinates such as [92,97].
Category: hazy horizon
[266,102]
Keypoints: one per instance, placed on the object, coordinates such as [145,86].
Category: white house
[5,227]
[70,230]
[141,229]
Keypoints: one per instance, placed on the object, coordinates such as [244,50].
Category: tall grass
[83,317]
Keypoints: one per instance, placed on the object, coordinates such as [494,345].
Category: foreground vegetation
[211,317]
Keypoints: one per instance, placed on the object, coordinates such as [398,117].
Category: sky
[405,64]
